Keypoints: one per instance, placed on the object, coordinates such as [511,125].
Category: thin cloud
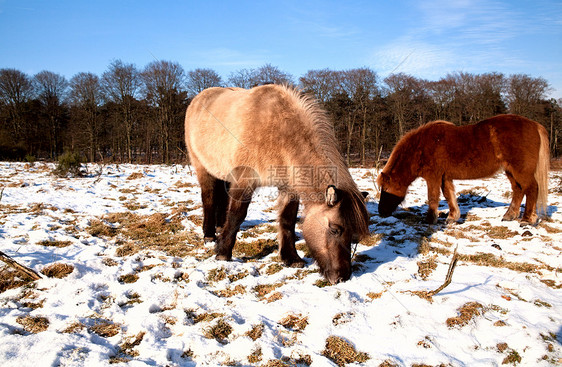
[232,58]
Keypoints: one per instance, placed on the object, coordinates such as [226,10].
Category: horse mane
[318,120]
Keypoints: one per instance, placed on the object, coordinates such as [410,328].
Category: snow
[375,310]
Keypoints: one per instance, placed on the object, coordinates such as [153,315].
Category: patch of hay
[342,352]
[467,312]
[57,270]
[34,325]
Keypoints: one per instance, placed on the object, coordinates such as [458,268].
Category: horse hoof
[223,257]
[294,263]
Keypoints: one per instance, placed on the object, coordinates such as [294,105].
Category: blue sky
[427,38]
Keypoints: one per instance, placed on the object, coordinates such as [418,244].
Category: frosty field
[127,280]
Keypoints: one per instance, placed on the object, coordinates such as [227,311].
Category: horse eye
[335,230]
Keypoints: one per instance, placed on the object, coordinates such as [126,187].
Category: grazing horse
[273,135]
[441,152]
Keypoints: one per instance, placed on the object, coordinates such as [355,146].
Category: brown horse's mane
[319,122]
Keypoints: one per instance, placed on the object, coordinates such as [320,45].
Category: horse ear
[331,195]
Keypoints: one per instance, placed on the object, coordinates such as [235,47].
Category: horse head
[329,228]
[392,194]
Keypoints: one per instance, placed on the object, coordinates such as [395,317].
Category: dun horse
[271,135]
[440,152]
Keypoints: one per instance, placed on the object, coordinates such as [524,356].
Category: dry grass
[230,292]
[33,325]
[294,322]
[135,175]
[426,267]
[276,296]
[373,295]
[216,275]
[204,317]
[342,352]
[10,279]
[467,312]
[235,277]
[254,250]
[255,356]
[140,232]
[74,327]
[128,278]
[219,331]
[98,228]
[105,328]
[255,332]
[57,270]
[51,243]
[262,290]
[274,268]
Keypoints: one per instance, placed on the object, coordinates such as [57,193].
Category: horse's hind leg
[531,191]
[208,183]
[449,192]
[239,200]
[288,209]
[515,206]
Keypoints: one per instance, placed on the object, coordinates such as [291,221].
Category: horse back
[474,151]
[260,128]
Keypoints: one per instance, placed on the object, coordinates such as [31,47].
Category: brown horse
[440,152]
[272,135]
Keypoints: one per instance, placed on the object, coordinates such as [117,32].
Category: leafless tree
[51,90]
[201,79]
[16,89]
[241,78]
[86,96]
[121,84]
[323,84]
[524,94]
[402,90]
[163,84]
[266,74]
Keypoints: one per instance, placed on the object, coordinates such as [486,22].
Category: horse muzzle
[388,203]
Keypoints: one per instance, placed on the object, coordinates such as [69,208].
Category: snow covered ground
[144,291]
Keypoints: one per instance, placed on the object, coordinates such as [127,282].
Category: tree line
[129,114]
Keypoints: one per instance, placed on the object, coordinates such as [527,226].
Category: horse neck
[402,167]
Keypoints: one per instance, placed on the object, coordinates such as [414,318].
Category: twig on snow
[24,270]
[449,276]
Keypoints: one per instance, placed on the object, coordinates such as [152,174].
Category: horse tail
[541,171]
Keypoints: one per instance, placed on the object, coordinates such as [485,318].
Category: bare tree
[269,74]
[86,96]
[323,84]
[524,94]
[16,89]
[201,79]
[121,84]
[401,96]
[266,74]
[52,91]
[241,78]
[164,83]
[360,85]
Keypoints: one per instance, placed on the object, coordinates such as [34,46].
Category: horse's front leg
[239,200]
[288,209]
[449,192]
[433,190]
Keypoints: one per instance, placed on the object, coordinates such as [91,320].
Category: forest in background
[136,115]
